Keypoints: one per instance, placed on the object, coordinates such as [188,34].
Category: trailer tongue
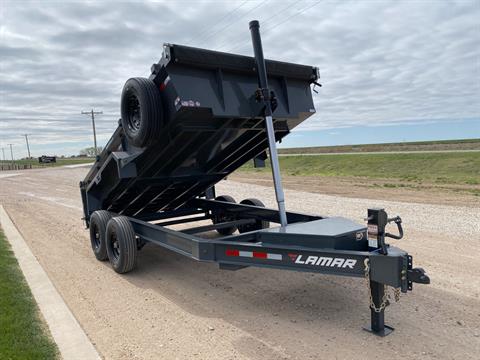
[200,116]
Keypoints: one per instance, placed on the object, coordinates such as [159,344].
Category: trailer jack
[378,281]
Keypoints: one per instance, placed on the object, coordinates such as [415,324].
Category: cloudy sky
[391,70]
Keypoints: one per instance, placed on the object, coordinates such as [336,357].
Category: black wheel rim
[133,114]
[96,237]
[115,246]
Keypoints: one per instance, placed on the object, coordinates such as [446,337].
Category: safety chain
[386,299]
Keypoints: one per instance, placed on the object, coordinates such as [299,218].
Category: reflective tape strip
[274,256]
[253,254]
[231,252]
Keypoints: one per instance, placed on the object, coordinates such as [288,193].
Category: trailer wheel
[121,244]
[259,224]
[141,111]
[219,216]
[98,228]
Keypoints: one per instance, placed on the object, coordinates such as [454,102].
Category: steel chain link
[386,298]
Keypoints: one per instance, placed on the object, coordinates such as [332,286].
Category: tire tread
[128,242]
[102,217]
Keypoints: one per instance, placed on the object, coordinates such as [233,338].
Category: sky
[390,70]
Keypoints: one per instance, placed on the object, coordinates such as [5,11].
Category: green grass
[60,162]
[439,145]
[443,168]
[22,334]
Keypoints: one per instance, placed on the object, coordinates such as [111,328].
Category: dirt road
[173,308]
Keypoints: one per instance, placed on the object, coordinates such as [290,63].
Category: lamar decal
[323,261]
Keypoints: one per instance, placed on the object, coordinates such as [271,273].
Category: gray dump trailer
[200,116]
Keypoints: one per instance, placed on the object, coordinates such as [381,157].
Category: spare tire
[142,111]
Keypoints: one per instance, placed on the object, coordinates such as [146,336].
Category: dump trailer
[199,116]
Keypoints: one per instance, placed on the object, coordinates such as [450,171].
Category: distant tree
[90,151]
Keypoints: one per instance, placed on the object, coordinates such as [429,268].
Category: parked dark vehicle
[200,116]
[47,159]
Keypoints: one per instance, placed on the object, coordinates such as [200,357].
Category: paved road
[172,307]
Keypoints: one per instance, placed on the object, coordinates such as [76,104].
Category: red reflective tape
[260,255]
[232,252]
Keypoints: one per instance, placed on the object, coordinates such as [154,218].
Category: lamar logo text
[323,261]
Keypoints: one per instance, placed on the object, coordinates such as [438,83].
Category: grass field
[439,168]
[60,162]
[440,145]
[23,335]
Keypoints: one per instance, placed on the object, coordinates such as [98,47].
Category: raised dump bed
[198,121]
[200,116]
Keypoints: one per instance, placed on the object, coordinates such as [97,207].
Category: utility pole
[92,114]
[11,151]
[28,146]
[3,151]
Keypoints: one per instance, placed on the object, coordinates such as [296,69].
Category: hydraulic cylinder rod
[265,95]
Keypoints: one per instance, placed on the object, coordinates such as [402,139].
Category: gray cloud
[382,62]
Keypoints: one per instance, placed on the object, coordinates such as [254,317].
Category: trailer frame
[392,268]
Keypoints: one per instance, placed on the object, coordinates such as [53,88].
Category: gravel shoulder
[173,307]
[461,195]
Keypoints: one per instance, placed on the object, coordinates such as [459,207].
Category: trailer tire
[121,244]
[141,111]
[219,216]
[259,224]
[98,228]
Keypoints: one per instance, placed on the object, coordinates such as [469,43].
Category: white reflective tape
[274,256]
[269,256]
[245,253]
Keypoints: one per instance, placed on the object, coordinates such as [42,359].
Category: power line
[233,22]
[268,29]
[92,114]
[292,16]
[206,29]
[264,21]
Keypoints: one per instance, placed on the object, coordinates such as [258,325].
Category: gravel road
[171,307]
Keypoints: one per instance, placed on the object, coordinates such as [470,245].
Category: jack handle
[397,220]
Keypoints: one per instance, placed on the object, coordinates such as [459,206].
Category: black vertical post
[377,220]
[377,318]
